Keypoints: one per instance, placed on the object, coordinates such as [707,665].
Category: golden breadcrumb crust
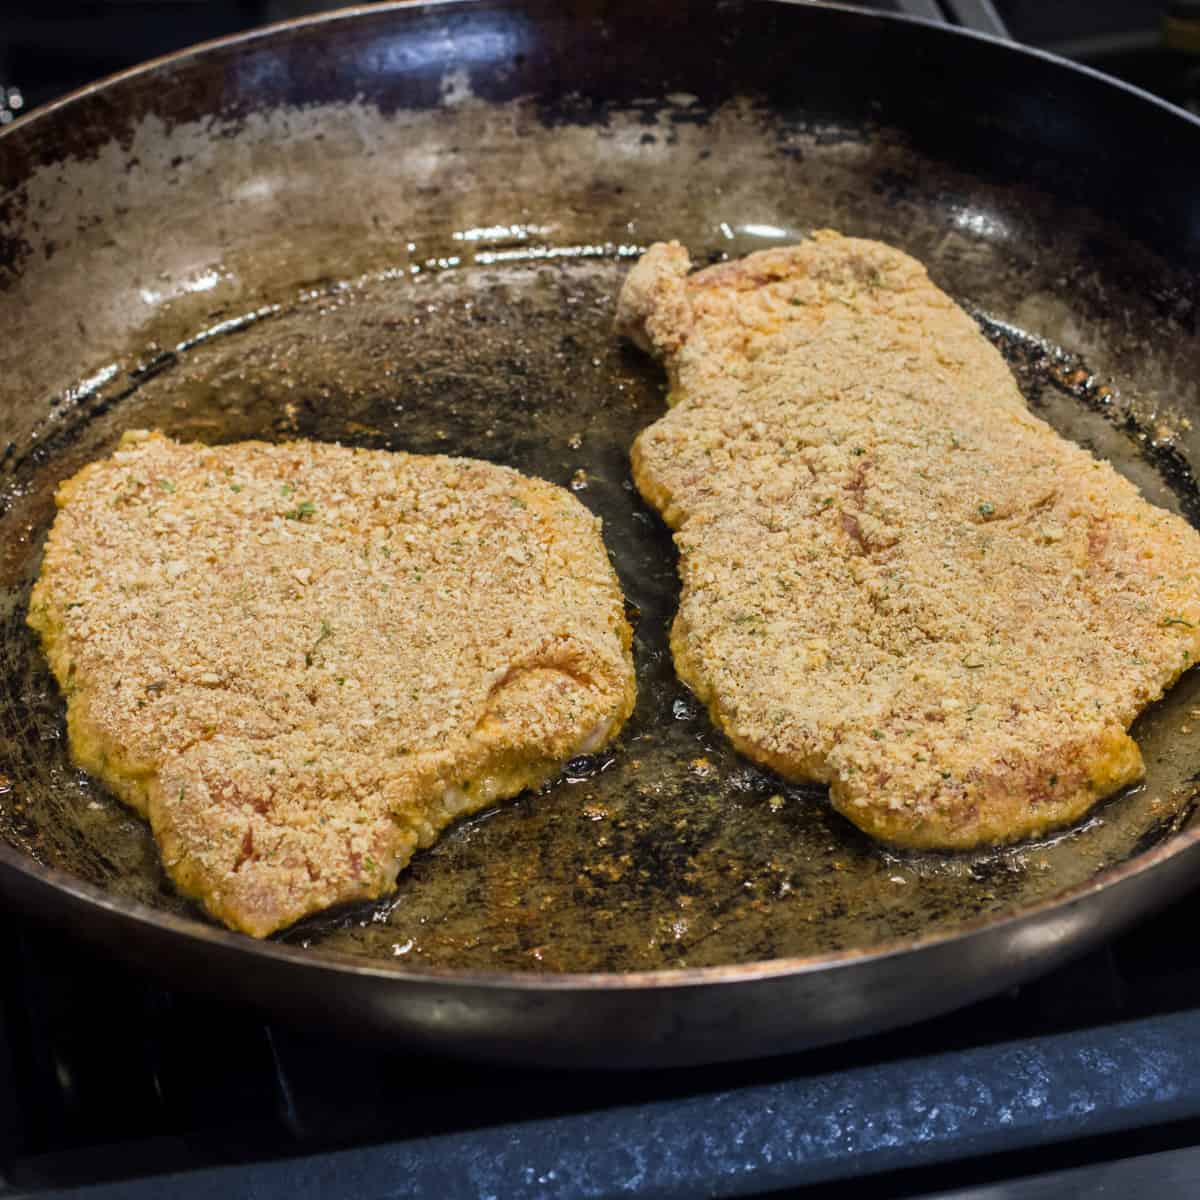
[303,661]
[896,579]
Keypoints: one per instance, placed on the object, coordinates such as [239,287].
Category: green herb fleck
[235,487]
[302,511]
[326,631]
[1054,781]
[973,666]
[858,452]
[1177,621]
[166,485]
[987,508]
[877,734]
[286,490]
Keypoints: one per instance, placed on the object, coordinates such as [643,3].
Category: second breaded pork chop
[896,579]
[302,661]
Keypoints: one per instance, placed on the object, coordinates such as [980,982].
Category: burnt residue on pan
[666,850]
[407,229]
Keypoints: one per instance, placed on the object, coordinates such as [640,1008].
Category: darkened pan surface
[405,228]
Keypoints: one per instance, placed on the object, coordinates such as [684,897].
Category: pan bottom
[668,850]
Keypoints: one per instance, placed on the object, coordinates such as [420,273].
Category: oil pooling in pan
[668,849]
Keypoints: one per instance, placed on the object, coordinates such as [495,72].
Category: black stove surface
[106,1078]
[111,1085]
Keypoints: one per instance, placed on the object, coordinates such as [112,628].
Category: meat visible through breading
[303,661]
[896,579]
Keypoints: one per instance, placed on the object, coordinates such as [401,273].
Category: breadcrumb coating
[896,579]
[302,661]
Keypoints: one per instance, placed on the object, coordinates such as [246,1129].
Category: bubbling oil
[667,849]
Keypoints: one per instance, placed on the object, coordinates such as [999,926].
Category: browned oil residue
[668,849]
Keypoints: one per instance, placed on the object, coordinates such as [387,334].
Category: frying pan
[405,226]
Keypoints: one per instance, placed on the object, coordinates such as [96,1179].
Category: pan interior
[666,850]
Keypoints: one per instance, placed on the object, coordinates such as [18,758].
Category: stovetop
[106,1077]
[111,1085]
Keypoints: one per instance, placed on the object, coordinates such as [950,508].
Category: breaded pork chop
[896,579]
[302,661]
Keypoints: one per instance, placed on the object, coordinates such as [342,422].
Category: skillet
[405,226]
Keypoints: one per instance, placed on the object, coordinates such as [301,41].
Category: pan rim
[83,895]
[355,11]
